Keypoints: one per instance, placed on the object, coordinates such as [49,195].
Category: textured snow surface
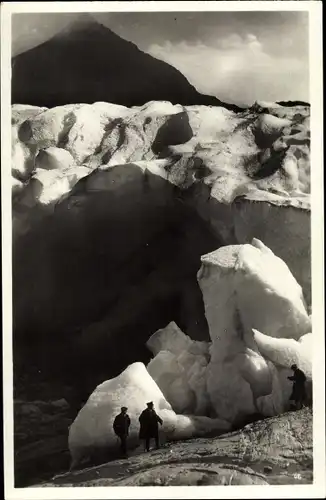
[247,171]
[246,168]
[224,148]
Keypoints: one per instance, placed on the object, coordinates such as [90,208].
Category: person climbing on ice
[298,394]
[121,426]
[149,421]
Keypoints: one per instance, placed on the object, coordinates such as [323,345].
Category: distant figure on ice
[149,421]
[298,394]
[121,426]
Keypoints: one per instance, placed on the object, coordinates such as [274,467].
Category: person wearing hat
[149,421]
[121,426]
[298,394]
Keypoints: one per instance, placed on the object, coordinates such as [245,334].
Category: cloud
[237,68]
[30,30]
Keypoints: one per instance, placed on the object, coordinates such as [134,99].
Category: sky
[238,57]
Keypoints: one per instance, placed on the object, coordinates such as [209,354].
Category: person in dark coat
[121,426]
[149,421]
[298,394]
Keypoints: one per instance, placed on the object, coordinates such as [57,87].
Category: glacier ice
[53,184]
[92,429]
[286,352]
[54,158]
[258,291]
[199,387]
[242,371]
[243,287]
[212,148]
[170,338]
[179,369]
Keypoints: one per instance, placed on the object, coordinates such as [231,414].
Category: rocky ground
[277,450]
[41,437]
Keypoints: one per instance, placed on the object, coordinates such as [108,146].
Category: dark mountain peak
[85,24]
[87,62]
[293,103]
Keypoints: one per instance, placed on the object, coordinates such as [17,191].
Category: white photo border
[315,490]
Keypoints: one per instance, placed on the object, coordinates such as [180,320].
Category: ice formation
[211,142]
[286,352]
[243,175]
[228,156]
[179,369]
[246,371]
[198,387]
[92,429]
[253,288]
[53,158]
[243,287]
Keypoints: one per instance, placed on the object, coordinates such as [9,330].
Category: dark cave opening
[93,280]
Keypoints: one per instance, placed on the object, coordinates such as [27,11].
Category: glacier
[199,387]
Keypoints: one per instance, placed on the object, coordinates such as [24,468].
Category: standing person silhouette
[149,421]
[121,426]
[298,394]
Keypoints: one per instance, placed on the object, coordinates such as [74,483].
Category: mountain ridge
[77,64]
